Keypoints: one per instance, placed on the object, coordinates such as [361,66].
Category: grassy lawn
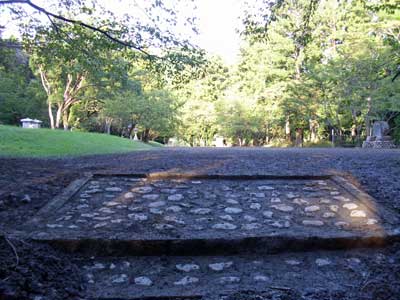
[15,141]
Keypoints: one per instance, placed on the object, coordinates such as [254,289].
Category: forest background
[308,69]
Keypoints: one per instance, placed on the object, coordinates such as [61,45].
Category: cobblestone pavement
[142,209]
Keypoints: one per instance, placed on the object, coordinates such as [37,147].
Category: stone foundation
[379,144]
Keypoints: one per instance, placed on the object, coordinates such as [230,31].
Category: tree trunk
[146,135]
[267,133]
[58,116]
[51,117]
[66,119]
[107,127]
[367,117]
[299,137]
[287,128]
[313,130]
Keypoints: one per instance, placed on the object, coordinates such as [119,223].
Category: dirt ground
[32,271]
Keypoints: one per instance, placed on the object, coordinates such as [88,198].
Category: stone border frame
[261,244]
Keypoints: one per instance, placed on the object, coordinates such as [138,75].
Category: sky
[217,24]
[218,21]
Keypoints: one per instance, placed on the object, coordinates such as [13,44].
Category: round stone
[283,207]
[229,279]
[196,182]
[102,218]
[168,191]
[292,262]
[173,208]
[111,203]
[113,189]
[354,260]
[174,220]
[350,206]
[249,218]
[251,226]
[321,262]
[187,267]
[265,188]
[121,278]
[175,197]
[129,195]
[106,210]
[138,217]
[275,200]
[300,201]
[233,210]
[328,215]
[200,211]
[313,223]
[82,206]
[143,280]
[261,278]
[341,224]
[291,195]
[220,266]
[226,217]
[163,226]
[334,208]
[92,191]
[187,280]
[324,201]
[99,225]
[52,226]
[205,219]
[156,211]
[117,221]
[197,227]
[280,224]
[136,208]
[312,208]
[257,195]
[358,214]
[151,196]
[232,201]
[85,196]
[341,198]
[255,206]
[142,189]
[224,226]
[372,222]
[268,214]
[334,193]
[157,204]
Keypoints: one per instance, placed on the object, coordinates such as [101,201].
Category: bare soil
[35,271]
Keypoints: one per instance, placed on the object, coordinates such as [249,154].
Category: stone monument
[30,123]
[380,137]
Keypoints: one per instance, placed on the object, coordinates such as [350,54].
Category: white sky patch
[218,22]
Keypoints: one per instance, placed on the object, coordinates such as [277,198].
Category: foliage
[21,95]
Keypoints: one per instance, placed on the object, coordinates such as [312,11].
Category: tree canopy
[307,70]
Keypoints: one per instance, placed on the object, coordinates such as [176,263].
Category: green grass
[155,144]
[20,142]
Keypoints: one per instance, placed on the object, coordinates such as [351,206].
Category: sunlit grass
[20,142]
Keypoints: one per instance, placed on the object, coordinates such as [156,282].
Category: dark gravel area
[28,184]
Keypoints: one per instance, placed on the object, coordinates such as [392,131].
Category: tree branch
[80,23]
